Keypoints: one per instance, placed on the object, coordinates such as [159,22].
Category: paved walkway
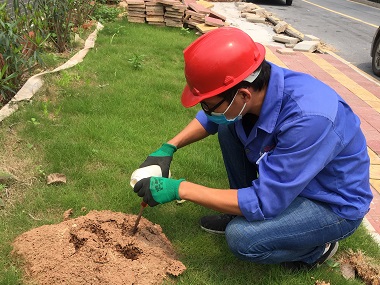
[361,92]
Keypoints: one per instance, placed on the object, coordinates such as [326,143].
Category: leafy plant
[31,26]
[104,13]
[21,37]
[45,109]
[6,83]
[185,31]
[136,61]
[115,34]
[61,17]
[34,121]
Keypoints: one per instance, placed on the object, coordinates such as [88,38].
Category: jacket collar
[271,107]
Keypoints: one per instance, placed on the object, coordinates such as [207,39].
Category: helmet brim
[188,99]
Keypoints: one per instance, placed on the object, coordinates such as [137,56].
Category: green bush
[61,16]
[22,33]
[105,13]
[31,26]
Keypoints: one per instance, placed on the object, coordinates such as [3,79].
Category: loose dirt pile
[97,249]
[361,266]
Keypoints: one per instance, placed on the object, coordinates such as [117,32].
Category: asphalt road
[345,26]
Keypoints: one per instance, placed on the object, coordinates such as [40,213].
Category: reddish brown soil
[98,248]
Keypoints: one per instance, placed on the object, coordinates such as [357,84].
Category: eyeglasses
[209,110]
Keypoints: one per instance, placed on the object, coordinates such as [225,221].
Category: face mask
[220,118]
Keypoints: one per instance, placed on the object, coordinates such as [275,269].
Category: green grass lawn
[96,123]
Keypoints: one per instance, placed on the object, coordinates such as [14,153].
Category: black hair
[257,85]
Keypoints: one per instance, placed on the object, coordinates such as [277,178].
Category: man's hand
[158,190]
[161,157]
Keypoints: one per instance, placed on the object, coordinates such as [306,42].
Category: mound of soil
[98,248]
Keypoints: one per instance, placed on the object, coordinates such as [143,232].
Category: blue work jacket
[306,142]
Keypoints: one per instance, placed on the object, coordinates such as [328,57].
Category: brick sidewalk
[361,92]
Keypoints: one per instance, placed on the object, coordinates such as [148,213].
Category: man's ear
[246,94]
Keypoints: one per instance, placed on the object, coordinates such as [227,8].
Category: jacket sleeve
[209,126]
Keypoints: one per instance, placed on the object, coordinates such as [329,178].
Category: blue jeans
[300,233]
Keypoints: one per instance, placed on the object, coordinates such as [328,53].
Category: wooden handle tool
[134,229]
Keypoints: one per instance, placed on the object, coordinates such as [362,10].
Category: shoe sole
[298,266]
[330,253]
[213,231]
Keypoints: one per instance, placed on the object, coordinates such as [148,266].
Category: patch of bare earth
[97,248]
[17,163]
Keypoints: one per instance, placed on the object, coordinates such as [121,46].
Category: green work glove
[158,190]
[161,157]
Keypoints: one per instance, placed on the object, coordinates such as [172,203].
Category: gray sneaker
[299,265]
[333,248]
[216,224]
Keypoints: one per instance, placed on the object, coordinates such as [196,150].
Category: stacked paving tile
[154,13]
[174,13]
[285,33]
[136,11]
[198,15]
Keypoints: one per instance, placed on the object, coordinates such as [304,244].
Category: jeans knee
[233,238]
[240,244]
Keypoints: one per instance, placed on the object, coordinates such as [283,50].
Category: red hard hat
[217,61]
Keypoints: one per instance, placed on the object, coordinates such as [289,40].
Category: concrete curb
[375,235]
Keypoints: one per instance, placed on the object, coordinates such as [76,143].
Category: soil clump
[97,248]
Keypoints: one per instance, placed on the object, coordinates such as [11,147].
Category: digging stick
[134,229]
